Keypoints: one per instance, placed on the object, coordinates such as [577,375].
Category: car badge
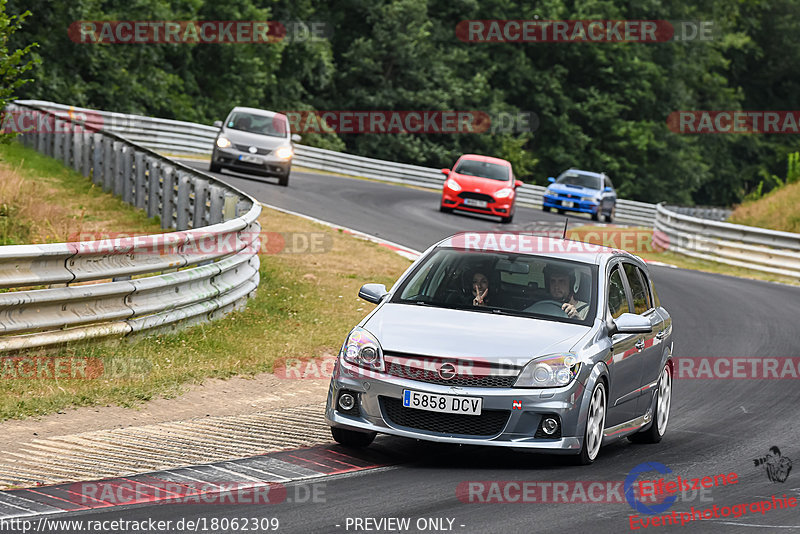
[447,371]
[252,150]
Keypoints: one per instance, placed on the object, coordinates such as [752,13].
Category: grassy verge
[639,242]
[777,210]
[41,201]
[305,305]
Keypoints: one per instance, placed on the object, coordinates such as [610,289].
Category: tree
[13,64]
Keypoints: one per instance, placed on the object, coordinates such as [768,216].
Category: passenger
[560,283]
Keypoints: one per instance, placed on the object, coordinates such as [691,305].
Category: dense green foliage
[14,61]
[601,107]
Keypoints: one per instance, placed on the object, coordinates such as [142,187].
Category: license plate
[442,403]
[475,203]
[250,159]
[568,204]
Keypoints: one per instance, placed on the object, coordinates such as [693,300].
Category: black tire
[589,454]
[445,210]
[283,179]
[595,216]
[561,212]
[546,208]
[215,167]
[610,216]
[507,220]
[658,427]
[351,438]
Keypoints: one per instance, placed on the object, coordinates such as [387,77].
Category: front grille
[478,374]
[246,148]
[489,423]
[476,196]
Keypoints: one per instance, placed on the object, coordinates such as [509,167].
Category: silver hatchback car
[254,141]
[510,340]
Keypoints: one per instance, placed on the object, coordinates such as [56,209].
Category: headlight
[223,142]
[362,349]
[503,193]
[452,184]
[555,370]
[284,152]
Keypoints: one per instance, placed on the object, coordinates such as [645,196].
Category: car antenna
[566,222]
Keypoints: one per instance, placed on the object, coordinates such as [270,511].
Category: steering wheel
[548,307]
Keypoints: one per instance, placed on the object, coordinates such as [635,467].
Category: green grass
[777,210]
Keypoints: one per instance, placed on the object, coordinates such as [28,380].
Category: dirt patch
[235,396]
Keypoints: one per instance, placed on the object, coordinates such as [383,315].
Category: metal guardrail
[754,248]
[117,287]
[178,137]
[703,212]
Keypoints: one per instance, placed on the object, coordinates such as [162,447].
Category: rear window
[483,169]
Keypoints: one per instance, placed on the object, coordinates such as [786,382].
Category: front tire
[595,424]
[546,208]
[215,167]
[351,438]
[507,220]
[661,416]
[610,216]
[445,210]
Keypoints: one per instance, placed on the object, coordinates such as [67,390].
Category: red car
[480,184]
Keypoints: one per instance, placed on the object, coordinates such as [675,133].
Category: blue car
[581,191]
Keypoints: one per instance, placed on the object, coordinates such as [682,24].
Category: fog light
[346,401]
[549,425]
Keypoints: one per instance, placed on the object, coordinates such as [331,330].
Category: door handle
[639,345]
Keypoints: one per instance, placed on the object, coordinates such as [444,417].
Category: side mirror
[607,190]
[445,171]
[551,180]
[629,323]
[217,124]
[296,138]
[518,183]
[373,293]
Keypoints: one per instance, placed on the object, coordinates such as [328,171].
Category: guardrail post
[119,169]
[200,217]
[66,140]
[77,150]
[108,164]
[86,154]
[139,181]
[167,197]
[56,150]
[154,191]
[217,197]
[184,206]
[98,155]
[229,210]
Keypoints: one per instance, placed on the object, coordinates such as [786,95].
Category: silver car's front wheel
[595,424]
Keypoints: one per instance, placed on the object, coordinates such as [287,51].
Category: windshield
[274,126]
[514,284]
[579,179]
[483,169]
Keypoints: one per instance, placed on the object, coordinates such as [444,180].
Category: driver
[560,283]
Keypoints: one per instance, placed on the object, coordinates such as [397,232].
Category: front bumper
[269,164]
[497,207]
[581,205]
[378,397]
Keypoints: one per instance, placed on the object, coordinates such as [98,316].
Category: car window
[579,179]
[274,126]
[617,301]
[607,182]
[517,284]
[483,169]
[638,292]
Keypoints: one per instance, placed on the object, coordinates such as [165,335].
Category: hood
[573,190]
[238,137]
[486,185]
[442,332]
